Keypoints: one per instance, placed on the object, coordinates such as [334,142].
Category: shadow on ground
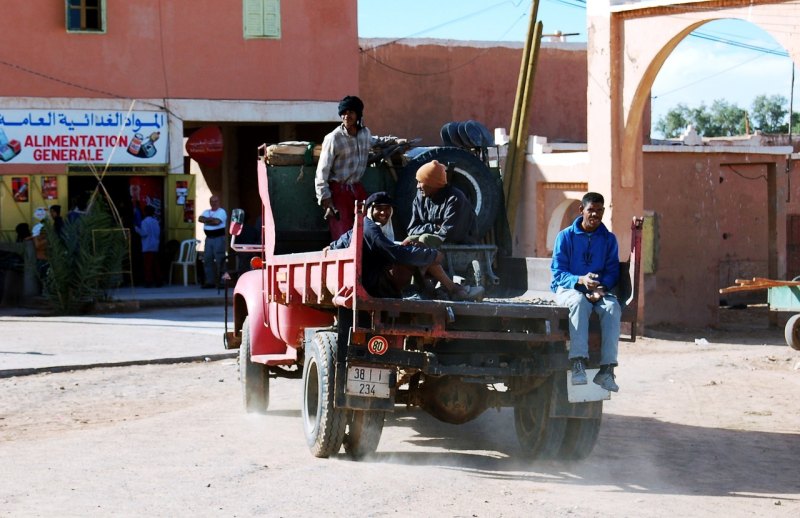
[633,454]
[748,325]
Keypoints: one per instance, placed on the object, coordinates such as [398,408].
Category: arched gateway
[628,42]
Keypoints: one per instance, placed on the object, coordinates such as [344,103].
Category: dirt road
[697,430]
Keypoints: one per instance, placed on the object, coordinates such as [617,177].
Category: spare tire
[471,176]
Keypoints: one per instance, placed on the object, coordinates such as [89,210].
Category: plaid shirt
[343,159]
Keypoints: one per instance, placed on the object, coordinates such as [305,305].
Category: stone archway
[628,45]
[556,222]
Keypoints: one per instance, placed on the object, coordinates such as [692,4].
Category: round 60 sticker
[377,345]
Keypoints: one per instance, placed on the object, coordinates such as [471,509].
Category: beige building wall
[628,44]
[411,88]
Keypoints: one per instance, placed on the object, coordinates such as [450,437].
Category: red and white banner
[81,136]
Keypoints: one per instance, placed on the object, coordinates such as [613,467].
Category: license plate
[368,381]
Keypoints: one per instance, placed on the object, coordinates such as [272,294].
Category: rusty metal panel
[792,246]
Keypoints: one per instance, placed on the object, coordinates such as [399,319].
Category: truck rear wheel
[323,424]
[580,438]
[254,377]
[539,434]
[364,429]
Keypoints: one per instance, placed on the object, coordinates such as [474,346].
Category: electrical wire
[438,72]
[106,93]
[733,43]
[759,177]
[706,78]
[450,22]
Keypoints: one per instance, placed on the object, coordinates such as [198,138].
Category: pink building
[413,87]
[119,86]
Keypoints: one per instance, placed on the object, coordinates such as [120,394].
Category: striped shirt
[343,159]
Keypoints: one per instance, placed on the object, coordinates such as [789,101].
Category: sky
[728,59]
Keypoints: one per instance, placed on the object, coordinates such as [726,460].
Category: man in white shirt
[214,220]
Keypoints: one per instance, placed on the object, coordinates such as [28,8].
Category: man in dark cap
[387,266]
[342,163]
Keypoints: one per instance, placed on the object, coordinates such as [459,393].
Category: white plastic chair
[187,258]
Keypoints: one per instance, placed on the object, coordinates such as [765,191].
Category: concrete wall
[552,187]
[413,87]
[712,215]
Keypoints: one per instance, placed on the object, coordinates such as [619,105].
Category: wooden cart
[782,296]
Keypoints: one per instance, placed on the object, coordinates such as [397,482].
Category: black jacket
[448,214]
[379,254]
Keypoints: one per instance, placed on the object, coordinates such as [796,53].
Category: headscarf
[433,174]
[381,198]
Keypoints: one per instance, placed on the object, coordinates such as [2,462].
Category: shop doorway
[130,195]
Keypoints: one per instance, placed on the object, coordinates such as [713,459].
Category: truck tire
[254,377]
[472,177]
[364,430]
[323,424]
[579,438]
[539,434]
[792,332]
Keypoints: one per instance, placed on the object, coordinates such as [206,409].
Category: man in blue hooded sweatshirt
[585,269]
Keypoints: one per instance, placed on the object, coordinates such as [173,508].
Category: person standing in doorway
[58,221]
[150,231]
[214,220]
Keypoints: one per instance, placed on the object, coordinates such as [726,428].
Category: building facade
[112,91]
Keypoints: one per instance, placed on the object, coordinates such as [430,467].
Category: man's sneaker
[468,293]
[578,372]
[412,293]
[440,294]
[606,380]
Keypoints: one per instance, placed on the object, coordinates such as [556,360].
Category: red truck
[306,315]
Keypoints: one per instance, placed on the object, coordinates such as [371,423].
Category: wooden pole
[513,177]
[515,115]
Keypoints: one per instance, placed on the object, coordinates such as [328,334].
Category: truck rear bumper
[487,365]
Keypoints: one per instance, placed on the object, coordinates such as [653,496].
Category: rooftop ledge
[731,149]
[539,146]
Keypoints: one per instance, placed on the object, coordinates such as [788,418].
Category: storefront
[70,157]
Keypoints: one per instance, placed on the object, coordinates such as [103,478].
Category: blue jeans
[580,309]
[214,253]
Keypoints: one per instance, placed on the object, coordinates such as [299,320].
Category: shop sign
[77,136]
[205,146]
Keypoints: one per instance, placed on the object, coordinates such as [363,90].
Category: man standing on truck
[440,213]
[384,261]
[585,269]
[213,221]
[342,163]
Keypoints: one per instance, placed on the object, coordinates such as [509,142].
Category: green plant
[86,260]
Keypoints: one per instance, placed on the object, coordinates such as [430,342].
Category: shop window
[262,18]
[86,16]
